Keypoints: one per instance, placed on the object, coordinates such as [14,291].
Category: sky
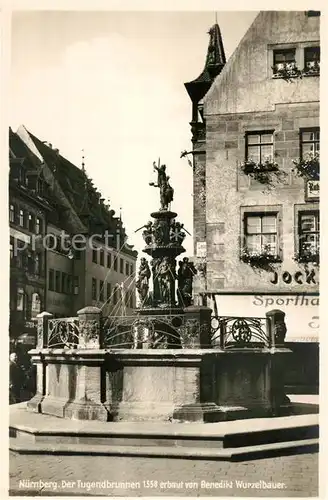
[111,84]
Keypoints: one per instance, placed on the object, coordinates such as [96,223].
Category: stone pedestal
[42,339]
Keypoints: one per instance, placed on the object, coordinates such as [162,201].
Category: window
[94,289]
[11,247]
[37,264]
[109,292]
[261,234]
[312,13]
[109,260]
[64,282]
[101,257]
[94,256]
[31,223]
[127,269]
[12,213]
[51,285]
[312,59]
[121,266]
[115,263]
[283,59]
[38,225]
[57,282]
[69,283]
[76,285]
[309,234]
[21,217]
[20,304]
[259,146]
[101,291]
[36,305]
[131,269]
[310,141]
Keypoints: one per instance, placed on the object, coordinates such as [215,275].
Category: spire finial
[83,164]
[216,18]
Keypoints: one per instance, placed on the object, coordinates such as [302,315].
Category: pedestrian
[16,379]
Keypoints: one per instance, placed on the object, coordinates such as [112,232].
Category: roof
[215,60]
[78,188]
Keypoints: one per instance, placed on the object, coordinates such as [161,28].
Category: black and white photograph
[163,173]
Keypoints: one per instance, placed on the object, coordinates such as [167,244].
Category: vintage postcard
[164,225]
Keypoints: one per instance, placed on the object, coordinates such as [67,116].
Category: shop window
[259,146]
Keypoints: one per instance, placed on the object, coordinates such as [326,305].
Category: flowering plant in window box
[308,167]
[261,172]
[286,71]
[308,253]
[263,260]
[312,68]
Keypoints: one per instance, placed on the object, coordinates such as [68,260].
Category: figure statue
[186,274]
[166,190]
[177,233]
[160,231]
[148,232]
[142,284]
[166,279]
[154,267]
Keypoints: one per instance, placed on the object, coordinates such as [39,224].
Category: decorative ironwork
[63,332]
[138,332]
[239,332]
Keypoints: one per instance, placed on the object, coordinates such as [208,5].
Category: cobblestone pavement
[159,476]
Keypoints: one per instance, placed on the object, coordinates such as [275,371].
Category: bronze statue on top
[166,190]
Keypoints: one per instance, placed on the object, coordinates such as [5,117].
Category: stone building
[80,247]
[256,145]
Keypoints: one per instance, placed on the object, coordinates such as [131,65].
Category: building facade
[256,176]
[75,250]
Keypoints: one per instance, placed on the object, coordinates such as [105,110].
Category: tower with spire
[215,61]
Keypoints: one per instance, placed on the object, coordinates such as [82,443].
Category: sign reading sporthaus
[302,311]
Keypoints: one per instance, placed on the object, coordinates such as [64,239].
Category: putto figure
[166,190]
[142,284]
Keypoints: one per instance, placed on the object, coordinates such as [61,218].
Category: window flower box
[312,68]
[263,260]
[261,172]
[308,167]
[286,70]
[308,255]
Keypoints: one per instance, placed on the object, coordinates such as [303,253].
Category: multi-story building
[78,255]
[256,182]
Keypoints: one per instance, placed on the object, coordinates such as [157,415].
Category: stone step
[228,454]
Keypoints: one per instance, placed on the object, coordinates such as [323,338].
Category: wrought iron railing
[233,331]
[63,332]
[133,332]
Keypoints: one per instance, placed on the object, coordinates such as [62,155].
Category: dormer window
[284,60]
[312,60]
